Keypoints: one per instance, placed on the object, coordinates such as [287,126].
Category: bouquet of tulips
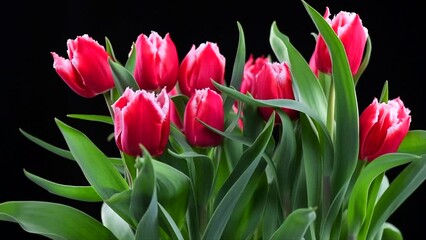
[275,150]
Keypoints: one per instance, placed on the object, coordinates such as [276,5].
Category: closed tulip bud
[207,106]
[383,126]
[87,71]
[199,67]
[274,81]
[157,63]
[142,118]
[251,68]
[352,34]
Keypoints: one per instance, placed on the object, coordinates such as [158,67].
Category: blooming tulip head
[251,68]
[207,106]
[157,63]
[200,66]
[86,71]
[142,118]
[383,126]
[352,34]
[274,81]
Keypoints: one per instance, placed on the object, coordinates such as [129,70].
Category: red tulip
[273,81]
[87,71]
[157,63]
[142,118]
[199,67]
[352,34]
[251,68]
[207,106]
[383,126]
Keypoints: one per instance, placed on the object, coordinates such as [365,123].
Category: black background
[33,94]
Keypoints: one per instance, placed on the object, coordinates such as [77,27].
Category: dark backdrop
[33,94]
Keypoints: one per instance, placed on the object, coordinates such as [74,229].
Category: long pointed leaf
[96,167]
[81,193]
[398,191]
[59,151]
[359,196]
[54,221]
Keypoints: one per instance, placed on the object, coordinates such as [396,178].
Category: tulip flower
[205,105]
[383,126]
[200,66]
[174,114]
[353,35]
[274,81]
[87,71]
[157,63]
[251,68]
[142,118]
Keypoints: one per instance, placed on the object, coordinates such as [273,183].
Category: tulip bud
[274,81]
[352,34]
[87,71]
[251,68]
[383,126]
[207,106]
[157,63]
[142,118]
[199,67]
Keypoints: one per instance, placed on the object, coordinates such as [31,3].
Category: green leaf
[252,155]
[273,216]
[58,151]
[358,200]
[414,142]
[92,117]
[364,62]
[96,167]
[295,225]
[285,159]
[390,232]
[238,68]
[54,221]
[81,193]
[169,225]
[312,163]
[122,78]
[120,203]
[384,96]
[116,224]
[249,210]
[131,61]
[110,50]
[173,188]
[144,204]
[398,191]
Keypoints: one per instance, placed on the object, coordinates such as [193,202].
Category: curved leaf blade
[295,225]
[55,221]
[414,142]
[96,167]
[49,147]
[80,193]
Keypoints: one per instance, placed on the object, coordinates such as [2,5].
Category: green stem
[109,102]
